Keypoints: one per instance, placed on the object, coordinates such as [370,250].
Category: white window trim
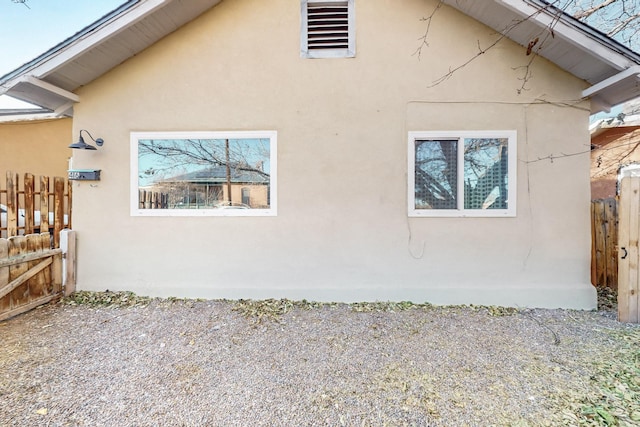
[273,184]
[350,52]
[512,161]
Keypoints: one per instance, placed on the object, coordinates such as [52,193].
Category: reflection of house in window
[217,186]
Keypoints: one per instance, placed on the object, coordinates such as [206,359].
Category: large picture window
[203,173]
[462,173]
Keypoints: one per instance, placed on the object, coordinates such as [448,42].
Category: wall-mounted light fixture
[81,145]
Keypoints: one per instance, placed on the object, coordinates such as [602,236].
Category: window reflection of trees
[484,175]
[206,173]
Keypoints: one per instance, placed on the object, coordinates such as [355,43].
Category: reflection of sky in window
[154,167]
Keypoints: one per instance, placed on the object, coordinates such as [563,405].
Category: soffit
[100,47]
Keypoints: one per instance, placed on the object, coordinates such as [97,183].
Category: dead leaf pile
[607,298]
[106,299]
[271,309]
[386,306]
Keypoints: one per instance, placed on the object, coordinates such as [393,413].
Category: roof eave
[613,87]
[26,84]
[615,90]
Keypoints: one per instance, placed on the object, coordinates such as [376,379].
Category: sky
[30,29]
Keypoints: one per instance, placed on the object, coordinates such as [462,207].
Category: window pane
[436,174]
[205,173]
[485,173]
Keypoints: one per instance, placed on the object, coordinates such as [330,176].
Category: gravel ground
[225,363]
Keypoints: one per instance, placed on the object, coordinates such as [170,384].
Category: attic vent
[327,29]
[328,26]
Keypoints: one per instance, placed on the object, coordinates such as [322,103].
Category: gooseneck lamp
[81,145]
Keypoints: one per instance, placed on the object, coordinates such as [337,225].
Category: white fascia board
[568,32]
[29,117]
[632,72]
[78,47]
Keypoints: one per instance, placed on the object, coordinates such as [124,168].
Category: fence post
[68,246]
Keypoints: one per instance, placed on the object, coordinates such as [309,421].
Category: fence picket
[29,203]
[604,243]
[58,209]
[5,302]
[44,203]
[12,201]
[611,242]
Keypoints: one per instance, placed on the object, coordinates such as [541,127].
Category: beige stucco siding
[342,231]
[36,146]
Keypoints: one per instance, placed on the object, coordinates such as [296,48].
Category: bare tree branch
[624,24]
[619,18]
[24,2]
[423,39]
[582,14]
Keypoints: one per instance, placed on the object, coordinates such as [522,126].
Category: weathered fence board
[38,205]
[628,242]
[18,246]
[604,243]
[5,303]
[68,246]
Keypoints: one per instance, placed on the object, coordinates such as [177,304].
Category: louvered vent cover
[328,25]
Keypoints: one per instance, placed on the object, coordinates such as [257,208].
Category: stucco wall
[36,146]
[342,230]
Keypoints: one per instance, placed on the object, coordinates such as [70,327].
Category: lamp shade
[81,145]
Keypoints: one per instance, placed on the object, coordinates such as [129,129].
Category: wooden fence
[604,243]
[39,204]
[152,200]
[30,273]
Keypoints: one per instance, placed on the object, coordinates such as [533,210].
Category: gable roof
[49,81]
[238,174]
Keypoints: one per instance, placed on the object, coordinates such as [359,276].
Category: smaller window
[246,196]
[462,173]
[327,29]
